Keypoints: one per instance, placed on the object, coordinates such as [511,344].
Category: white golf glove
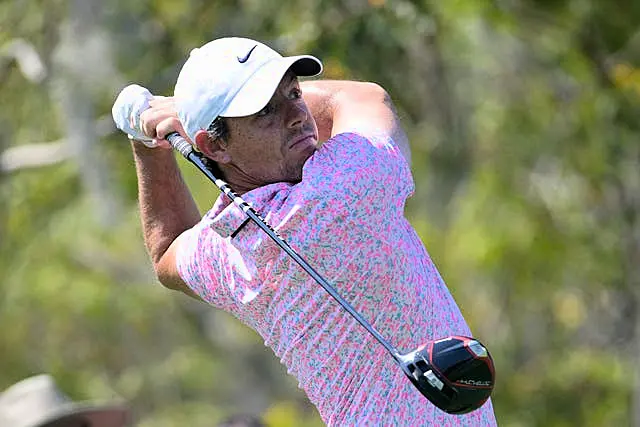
[126,111]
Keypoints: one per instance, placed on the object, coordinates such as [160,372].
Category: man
[339,204]
[38,402]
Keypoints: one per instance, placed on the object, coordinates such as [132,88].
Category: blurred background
[524,121]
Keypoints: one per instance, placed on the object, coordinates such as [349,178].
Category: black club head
[456,373]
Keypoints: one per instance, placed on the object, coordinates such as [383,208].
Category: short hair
[217,129]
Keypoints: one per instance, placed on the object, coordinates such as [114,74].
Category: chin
[294,175]
[297,178]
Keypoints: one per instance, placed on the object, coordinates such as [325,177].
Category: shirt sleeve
[202,261]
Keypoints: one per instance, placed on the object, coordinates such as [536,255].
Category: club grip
[179,144]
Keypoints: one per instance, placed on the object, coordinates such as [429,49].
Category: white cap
[232,77]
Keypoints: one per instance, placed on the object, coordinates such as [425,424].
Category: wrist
[143,140]
[140,149]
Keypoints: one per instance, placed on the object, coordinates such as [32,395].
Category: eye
[295,93]
[265,111]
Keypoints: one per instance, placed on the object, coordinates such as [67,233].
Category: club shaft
[184,148]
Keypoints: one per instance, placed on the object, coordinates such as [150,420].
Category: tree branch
[41,154]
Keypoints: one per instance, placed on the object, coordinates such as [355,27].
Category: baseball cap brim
[259,89]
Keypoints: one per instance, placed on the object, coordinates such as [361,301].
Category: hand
[161,119]
[145,118]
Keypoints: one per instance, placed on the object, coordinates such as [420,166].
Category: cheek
[257,147]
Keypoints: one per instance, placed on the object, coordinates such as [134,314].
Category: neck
[238,180]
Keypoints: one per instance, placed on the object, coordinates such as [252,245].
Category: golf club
[456,373]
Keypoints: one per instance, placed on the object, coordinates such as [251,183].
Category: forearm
[166,206]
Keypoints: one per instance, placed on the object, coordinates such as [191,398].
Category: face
[273,144]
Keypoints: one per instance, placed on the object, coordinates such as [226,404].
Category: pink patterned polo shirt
[346,219]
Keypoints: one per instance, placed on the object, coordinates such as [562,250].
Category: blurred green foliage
[524,123]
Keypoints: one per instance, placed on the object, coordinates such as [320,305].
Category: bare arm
[167,208]
[342,106]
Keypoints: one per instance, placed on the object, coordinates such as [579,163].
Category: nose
[298,114]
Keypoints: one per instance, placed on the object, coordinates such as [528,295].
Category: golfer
[339,203]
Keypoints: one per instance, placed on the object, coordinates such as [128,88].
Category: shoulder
[356,165]
[357,149]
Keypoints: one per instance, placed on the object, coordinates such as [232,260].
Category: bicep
[369,109]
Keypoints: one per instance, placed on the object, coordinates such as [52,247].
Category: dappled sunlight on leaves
[524,122]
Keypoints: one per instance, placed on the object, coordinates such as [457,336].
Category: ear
[214,149]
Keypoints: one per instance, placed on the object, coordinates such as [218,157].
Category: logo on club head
[245,58]
[476,383]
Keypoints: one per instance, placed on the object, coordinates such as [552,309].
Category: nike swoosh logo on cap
[246,57]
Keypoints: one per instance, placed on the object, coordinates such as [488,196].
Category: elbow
[373,92]
[161,275]
[167,274]
[165,266]
[158,266]
[381,95]
[169,277]
[361,92]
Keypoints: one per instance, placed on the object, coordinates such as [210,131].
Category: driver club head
[456,373]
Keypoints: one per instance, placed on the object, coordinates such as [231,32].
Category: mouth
[308,139]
